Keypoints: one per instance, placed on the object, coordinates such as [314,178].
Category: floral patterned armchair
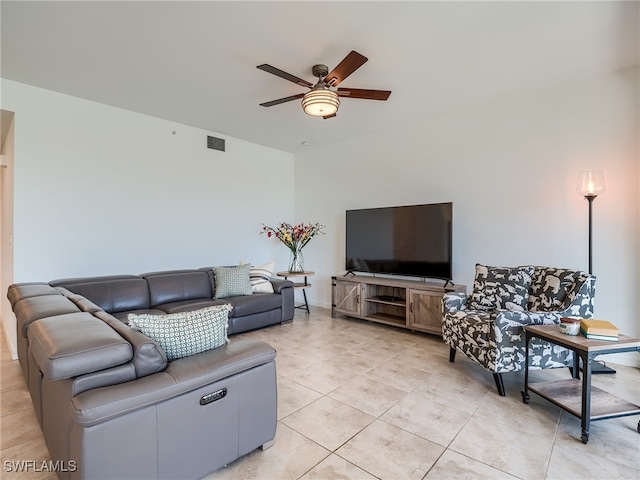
[488,325]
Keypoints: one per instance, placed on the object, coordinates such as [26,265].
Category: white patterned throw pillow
[185,333]
[260,276]
[232,281]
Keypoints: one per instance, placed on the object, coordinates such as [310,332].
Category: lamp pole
[590,198]
[590,184]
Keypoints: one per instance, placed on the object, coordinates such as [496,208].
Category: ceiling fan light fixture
[320,102]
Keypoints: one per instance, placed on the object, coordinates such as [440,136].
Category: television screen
[412,240]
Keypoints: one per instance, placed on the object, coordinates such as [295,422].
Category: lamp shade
[320,102]
[590,183]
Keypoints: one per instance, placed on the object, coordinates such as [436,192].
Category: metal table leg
[304,294]
[525,392]
[586,394]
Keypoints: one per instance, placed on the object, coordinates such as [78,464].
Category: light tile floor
[358,400]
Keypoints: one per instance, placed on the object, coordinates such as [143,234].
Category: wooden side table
[299,285]
[572,395]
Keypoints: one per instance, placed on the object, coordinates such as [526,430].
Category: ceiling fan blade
[282,100]
[346,67]
[330,116]
[364,93]
[287,76]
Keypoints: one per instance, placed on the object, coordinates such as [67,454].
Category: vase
[296,262]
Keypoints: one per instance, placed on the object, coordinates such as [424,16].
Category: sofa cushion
[550,287]
[177,285]
[232,281]
[186,333]
[260,276]
[74,344]
[257,303]
[189,305]
[501,287]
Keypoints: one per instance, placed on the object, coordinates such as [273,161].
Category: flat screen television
[412,240]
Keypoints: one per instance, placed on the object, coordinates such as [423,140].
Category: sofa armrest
[279,284]
[102,378]
[285,289]
[181,376]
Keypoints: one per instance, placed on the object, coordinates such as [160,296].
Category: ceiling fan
[321,101]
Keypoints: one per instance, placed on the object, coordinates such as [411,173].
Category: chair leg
[452,354]
[499,383]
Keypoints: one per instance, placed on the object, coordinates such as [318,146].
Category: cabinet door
[346,298]
[425,311]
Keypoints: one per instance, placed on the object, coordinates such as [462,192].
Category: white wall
[510,169]
[6,234]
[101,190]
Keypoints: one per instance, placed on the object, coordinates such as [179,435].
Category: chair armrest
[453,302]
[579,300]
[510,338]
[511,323]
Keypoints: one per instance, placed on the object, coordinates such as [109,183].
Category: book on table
[599,329]
[594,336]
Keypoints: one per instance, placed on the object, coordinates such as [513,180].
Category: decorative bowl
[570,326]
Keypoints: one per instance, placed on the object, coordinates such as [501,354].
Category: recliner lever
[213,397]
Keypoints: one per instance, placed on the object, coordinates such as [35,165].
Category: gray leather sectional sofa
[109,403]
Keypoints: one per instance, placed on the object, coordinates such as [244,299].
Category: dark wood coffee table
[578,397]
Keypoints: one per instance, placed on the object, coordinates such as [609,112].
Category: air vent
[215,143]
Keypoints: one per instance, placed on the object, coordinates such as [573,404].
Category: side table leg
[306,304]
[586,395]
[525,392]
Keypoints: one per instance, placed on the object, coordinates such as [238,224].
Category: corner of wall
[9,339]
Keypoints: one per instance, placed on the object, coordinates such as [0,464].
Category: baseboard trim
[629,359]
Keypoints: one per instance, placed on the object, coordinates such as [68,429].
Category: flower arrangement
[295,237]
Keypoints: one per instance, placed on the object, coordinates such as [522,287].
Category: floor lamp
[590,185]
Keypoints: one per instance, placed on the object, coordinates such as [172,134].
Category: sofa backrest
[116,293]
[20,291]
[30,309]
[177,285]
[551,286]
[148,357]
[212,277]
[74,344]
[81,302]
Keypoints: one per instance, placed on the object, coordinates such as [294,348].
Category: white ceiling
[195,62]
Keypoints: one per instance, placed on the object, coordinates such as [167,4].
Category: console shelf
[411,304]
[402,302]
